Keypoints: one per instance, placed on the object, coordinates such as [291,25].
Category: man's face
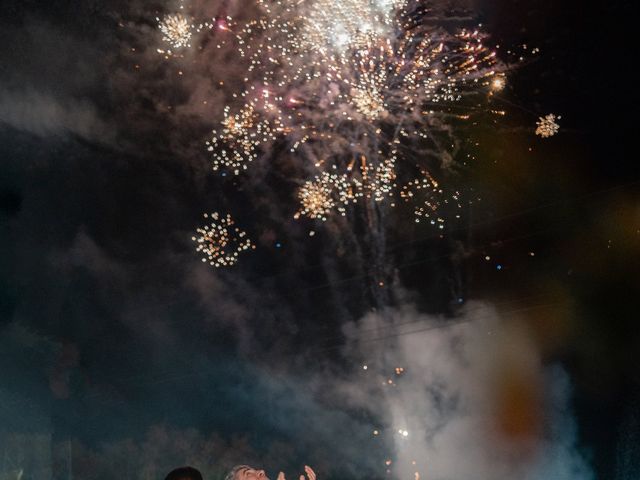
[251,474]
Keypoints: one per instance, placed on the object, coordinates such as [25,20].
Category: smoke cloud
[472,398]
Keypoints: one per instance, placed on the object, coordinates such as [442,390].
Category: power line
[169,377]
[466,312]
[445,325]
[403,265]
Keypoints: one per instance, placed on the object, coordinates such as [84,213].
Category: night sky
[121,353]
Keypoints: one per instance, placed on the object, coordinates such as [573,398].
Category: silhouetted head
[184,473]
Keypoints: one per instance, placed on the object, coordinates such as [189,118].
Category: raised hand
[311,475]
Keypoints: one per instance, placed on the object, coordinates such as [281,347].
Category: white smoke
[474,400]
[44,115]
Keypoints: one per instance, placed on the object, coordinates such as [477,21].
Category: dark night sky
[112,329]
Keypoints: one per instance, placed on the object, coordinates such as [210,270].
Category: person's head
[184,473]
[245,472]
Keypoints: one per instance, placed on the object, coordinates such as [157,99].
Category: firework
[547,126]
[338,25]
[176,30]
[357,89]
[221,242]
[329,192]
[498,83]
[369,101]
[375,182]
[317,197]
[428,197]
[359,93]
[239,141]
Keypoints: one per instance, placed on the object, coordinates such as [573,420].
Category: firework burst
[373,81]
[547,126]
[359,93]
[317,197]
[176,30]
[239,141]
[221,242]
